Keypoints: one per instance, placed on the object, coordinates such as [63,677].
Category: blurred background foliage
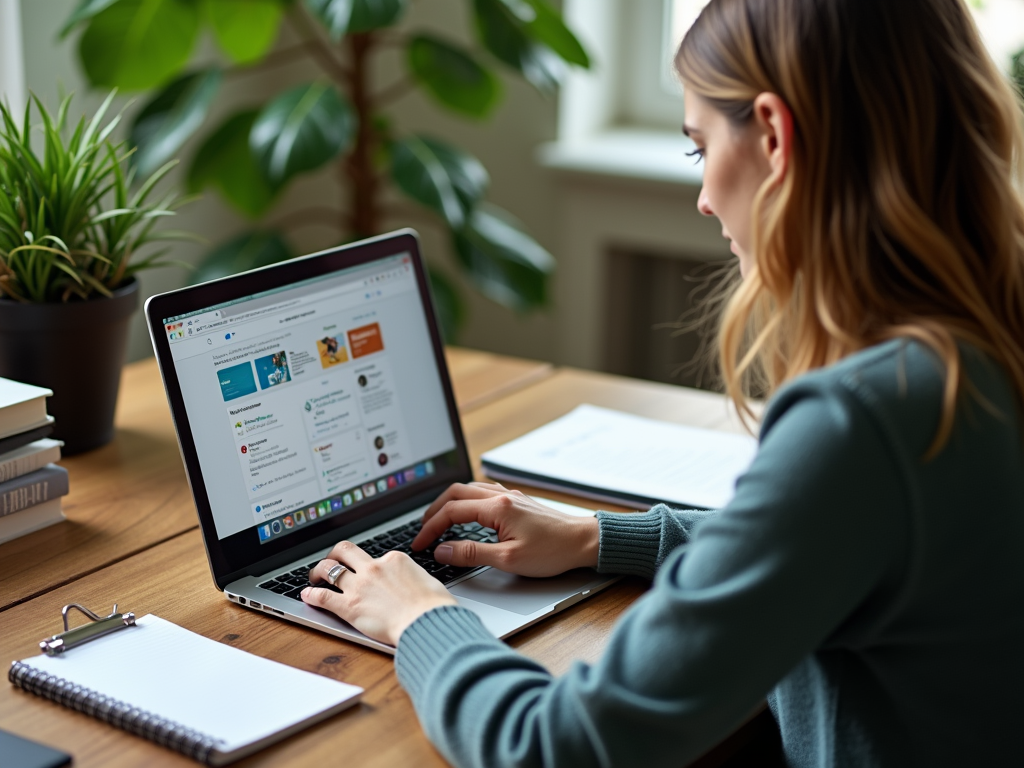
[335,123]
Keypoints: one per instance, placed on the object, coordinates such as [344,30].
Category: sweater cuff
[629,543]
[426,641]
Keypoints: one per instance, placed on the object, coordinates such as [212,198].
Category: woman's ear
[775,123]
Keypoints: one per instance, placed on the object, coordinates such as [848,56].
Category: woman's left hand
[379,596]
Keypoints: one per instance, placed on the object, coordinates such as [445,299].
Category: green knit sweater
[875,598]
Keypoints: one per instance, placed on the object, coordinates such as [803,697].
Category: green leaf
[139,44]
[226,162]
[504,262]
[171,117]
[343,17]
[504,34]
[245,29]
[438,176]
[452,76]
[84,11]
[548,28]
[451,312]
[245,252]
[300,130]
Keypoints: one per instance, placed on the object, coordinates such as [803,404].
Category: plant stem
[315,45]
[364,189]
[396,90]
[272,59]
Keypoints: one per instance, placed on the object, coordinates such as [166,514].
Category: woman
[868,576]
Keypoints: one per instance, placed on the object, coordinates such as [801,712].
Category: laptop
[312,404]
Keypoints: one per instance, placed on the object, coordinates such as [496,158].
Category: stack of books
[31,485]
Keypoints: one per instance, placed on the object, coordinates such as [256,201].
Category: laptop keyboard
[398,540]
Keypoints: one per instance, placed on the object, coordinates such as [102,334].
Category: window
[651,95]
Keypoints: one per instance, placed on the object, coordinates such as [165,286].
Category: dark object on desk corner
[19,752]
[77,349]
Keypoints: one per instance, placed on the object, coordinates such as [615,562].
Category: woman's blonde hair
[898,216]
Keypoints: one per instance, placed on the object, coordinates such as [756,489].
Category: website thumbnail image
[312,412]
[294,520]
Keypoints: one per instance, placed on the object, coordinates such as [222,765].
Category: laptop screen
[313,401]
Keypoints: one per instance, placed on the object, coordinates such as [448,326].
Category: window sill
[633,154]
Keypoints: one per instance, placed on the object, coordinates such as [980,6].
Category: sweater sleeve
[817,525]
[637,544]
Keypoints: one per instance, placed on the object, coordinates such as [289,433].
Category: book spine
[22,465]
[33,488]
[116,713]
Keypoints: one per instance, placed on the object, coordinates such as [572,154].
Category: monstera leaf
[438,176]
[171,117]
[452,76]
[504,262]
[245,29]
[342,17]
[225,161]
[300,130]
[139,44]
[247,251]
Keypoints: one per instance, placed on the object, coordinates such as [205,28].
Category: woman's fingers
[461,491]
[481,510]
[335,602]
[468,553]
[349,555]
[319,571]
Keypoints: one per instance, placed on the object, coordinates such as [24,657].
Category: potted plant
[71,231]
[340,121]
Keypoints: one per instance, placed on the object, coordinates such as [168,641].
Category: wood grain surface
[132,494]
[519,412]
[132,538]
[480,377]
[172,580]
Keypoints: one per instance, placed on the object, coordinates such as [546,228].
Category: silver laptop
[312,404]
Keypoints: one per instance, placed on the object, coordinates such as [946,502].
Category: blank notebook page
[198,683]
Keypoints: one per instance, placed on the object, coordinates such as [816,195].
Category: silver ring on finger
[335,573]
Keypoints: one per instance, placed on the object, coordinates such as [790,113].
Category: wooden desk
[131,494]
[520,412]
[172,579]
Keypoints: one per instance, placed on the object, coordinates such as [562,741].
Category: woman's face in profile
[735,167]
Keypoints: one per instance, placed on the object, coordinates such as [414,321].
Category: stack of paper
[625,459]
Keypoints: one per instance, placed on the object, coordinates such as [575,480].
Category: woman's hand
[379,597]
[534,540]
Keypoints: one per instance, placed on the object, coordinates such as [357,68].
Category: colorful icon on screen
[288,522]
[265,532]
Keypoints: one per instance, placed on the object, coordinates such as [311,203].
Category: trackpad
[523,595]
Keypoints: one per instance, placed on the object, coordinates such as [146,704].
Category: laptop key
[268,584]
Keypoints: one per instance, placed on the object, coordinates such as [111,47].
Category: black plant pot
[77,350]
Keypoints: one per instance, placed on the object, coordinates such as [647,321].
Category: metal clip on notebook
[99,626]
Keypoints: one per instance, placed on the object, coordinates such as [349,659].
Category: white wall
[12,73]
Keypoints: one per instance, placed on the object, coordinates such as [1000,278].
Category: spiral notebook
[207,700]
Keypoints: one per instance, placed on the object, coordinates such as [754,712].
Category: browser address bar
[280,307]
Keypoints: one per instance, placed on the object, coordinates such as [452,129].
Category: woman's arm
[637,544]
[818,524]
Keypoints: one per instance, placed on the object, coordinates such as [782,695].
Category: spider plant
[70,224]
